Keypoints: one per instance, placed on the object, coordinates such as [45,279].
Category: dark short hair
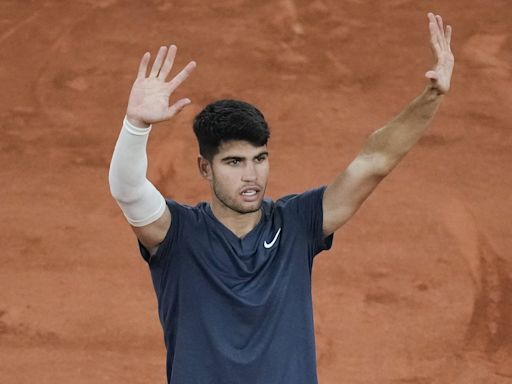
[226,120]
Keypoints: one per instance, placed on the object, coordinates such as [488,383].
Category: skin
[149,104]
[388,145]
[238,166]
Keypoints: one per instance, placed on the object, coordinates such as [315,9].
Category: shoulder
[185,210]
[310,196]
[181,220]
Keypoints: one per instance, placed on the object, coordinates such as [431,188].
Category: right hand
[149,97]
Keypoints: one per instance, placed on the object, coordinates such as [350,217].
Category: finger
[434,39]
[439,21]
[438,30]
[431,18]
[180,77]
[158,62]
[449,34]
[442,34]
[434,29]
[169,61]
[143,66]
[177,107]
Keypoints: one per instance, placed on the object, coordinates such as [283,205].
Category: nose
[249,173]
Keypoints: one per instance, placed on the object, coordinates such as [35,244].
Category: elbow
[122,191]
[383,164]
[124,195]
[376,164]
[114,184]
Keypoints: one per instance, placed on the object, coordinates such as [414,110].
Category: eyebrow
[240,158]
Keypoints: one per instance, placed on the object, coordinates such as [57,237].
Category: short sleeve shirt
[239,310]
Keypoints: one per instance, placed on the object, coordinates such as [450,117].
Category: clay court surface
[417,288]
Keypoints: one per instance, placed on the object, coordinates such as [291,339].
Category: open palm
[440,76]
[150,95]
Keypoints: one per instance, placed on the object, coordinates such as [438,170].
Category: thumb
[432,75]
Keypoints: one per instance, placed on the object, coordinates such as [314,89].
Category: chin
[248,207]
[253,207]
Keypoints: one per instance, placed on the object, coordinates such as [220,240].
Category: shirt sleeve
[164,249]
[308,208]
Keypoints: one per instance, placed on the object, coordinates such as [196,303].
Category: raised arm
[142,204]
[388,145]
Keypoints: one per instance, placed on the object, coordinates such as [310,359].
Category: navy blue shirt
[239,310]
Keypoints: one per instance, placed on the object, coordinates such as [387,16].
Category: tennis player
[233,275]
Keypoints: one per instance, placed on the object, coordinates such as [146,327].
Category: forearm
[139,200]
[391,143]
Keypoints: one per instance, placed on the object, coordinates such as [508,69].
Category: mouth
[250,193]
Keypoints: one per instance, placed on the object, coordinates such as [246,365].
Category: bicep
[344,196]
[152,235]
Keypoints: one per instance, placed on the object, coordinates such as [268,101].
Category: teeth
[250,192]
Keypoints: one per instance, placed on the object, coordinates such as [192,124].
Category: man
[233,276]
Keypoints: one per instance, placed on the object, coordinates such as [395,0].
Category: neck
[238,223]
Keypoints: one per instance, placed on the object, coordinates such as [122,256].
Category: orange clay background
[417,288]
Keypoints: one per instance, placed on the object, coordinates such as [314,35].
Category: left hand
[441,74]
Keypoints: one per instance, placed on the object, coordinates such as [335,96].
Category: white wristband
[135,130]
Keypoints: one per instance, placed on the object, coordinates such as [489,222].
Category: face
[238,176]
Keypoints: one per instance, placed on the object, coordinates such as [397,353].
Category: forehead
[239,148]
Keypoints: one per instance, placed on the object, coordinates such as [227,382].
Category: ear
[204,167]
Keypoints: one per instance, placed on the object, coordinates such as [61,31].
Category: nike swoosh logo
[269,245]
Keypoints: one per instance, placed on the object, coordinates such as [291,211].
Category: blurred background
[417,288]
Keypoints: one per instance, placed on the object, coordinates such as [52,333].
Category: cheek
[263,171]
[226,178]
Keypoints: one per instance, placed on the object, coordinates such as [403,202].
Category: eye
[233,162]
[261,158]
